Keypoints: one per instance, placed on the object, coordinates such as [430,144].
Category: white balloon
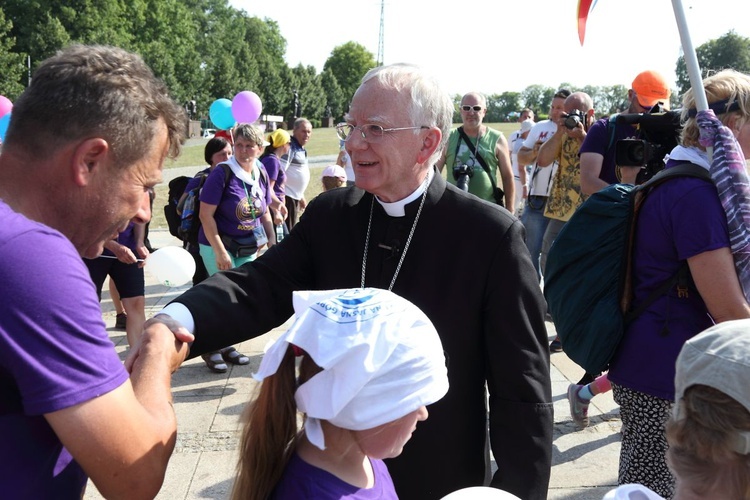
[171,266]
[480,493]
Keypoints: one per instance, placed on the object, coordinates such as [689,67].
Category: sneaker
[555,345]
[121,321]
[579,410]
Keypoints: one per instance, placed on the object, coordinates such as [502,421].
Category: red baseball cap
[650,88]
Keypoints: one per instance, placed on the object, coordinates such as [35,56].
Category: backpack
[176,188]
[588,278]
[190,221]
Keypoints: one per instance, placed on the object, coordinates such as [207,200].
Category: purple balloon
[246,107]
[5,106]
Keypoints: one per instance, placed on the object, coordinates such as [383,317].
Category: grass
[323,143]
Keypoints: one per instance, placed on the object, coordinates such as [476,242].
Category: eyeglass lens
[471,108]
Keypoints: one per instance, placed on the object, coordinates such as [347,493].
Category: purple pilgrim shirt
[54,354]
[680,219]
[302,480]
[239,206]
[275,173]
[600,140]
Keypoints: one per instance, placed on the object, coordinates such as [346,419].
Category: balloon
[480,493]
[220,113]
[246,107]
[172,266]
[5,106]
[4,122]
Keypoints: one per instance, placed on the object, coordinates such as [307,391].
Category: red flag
[584,6]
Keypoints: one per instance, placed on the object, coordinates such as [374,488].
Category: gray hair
[430,104]
[95,91]
[248,132]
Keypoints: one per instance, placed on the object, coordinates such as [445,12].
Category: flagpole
[691,59]
[691,62]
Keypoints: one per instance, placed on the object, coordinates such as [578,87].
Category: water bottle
[279,232]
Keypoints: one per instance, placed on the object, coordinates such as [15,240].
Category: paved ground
[208,406]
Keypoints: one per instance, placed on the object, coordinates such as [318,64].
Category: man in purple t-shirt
[598,169]
[69,181]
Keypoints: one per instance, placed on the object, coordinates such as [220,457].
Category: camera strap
[481,161]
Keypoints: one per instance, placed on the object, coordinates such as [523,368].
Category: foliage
[349,63]
[728,51]
[10,61]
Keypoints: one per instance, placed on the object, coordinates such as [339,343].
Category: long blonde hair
[270,430]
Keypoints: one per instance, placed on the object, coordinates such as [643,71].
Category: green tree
[10,61]
[334,95]
[500,106]
[349,63]
[312,96]
[533,97]
[728,51]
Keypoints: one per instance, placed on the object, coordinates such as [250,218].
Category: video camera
[658,134]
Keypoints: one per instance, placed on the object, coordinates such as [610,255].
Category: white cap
[381,357]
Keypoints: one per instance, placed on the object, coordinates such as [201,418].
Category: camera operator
[465,153]
[598,166]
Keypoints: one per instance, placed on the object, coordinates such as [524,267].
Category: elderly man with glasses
[461,260]
[482,151]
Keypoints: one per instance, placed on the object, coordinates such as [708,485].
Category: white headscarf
[381,358]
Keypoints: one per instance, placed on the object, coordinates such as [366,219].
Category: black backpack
[190,221]
[176,188]
[588,277]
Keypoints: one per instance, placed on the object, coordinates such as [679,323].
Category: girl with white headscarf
[370,361]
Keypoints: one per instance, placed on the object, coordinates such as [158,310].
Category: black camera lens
[571,120]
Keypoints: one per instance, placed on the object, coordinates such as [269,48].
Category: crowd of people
[380,340]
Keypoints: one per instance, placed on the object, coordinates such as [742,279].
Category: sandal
[215,362]
[232,355]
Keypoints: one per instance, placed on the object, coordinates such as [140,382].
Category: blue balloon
[4,122]
[220,113]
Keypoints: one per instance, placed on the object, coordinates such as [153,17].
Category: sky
[494,46]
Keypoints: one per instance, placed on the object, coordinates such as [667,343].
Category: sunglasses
[471,108]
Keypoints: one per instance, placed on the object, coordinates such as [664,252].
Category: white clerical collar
[396,209]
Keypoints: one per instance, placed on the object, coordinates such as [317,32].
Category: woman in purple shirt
[682,220]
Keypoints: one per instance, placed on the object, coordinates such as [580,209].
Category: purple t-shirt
[302,480]
[680,219]
[276,174]
[239,206]
[54,354]
[599,140]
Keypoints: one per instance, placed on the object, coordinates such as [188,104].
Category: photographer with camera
[540,184]
[598,163]
[475,154]
[562,149]
[565,195]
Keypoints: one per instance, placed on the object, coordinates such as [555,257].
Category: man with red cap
[598,169]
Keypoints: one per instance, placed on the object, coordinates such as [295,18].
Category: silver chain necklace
[408,240]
